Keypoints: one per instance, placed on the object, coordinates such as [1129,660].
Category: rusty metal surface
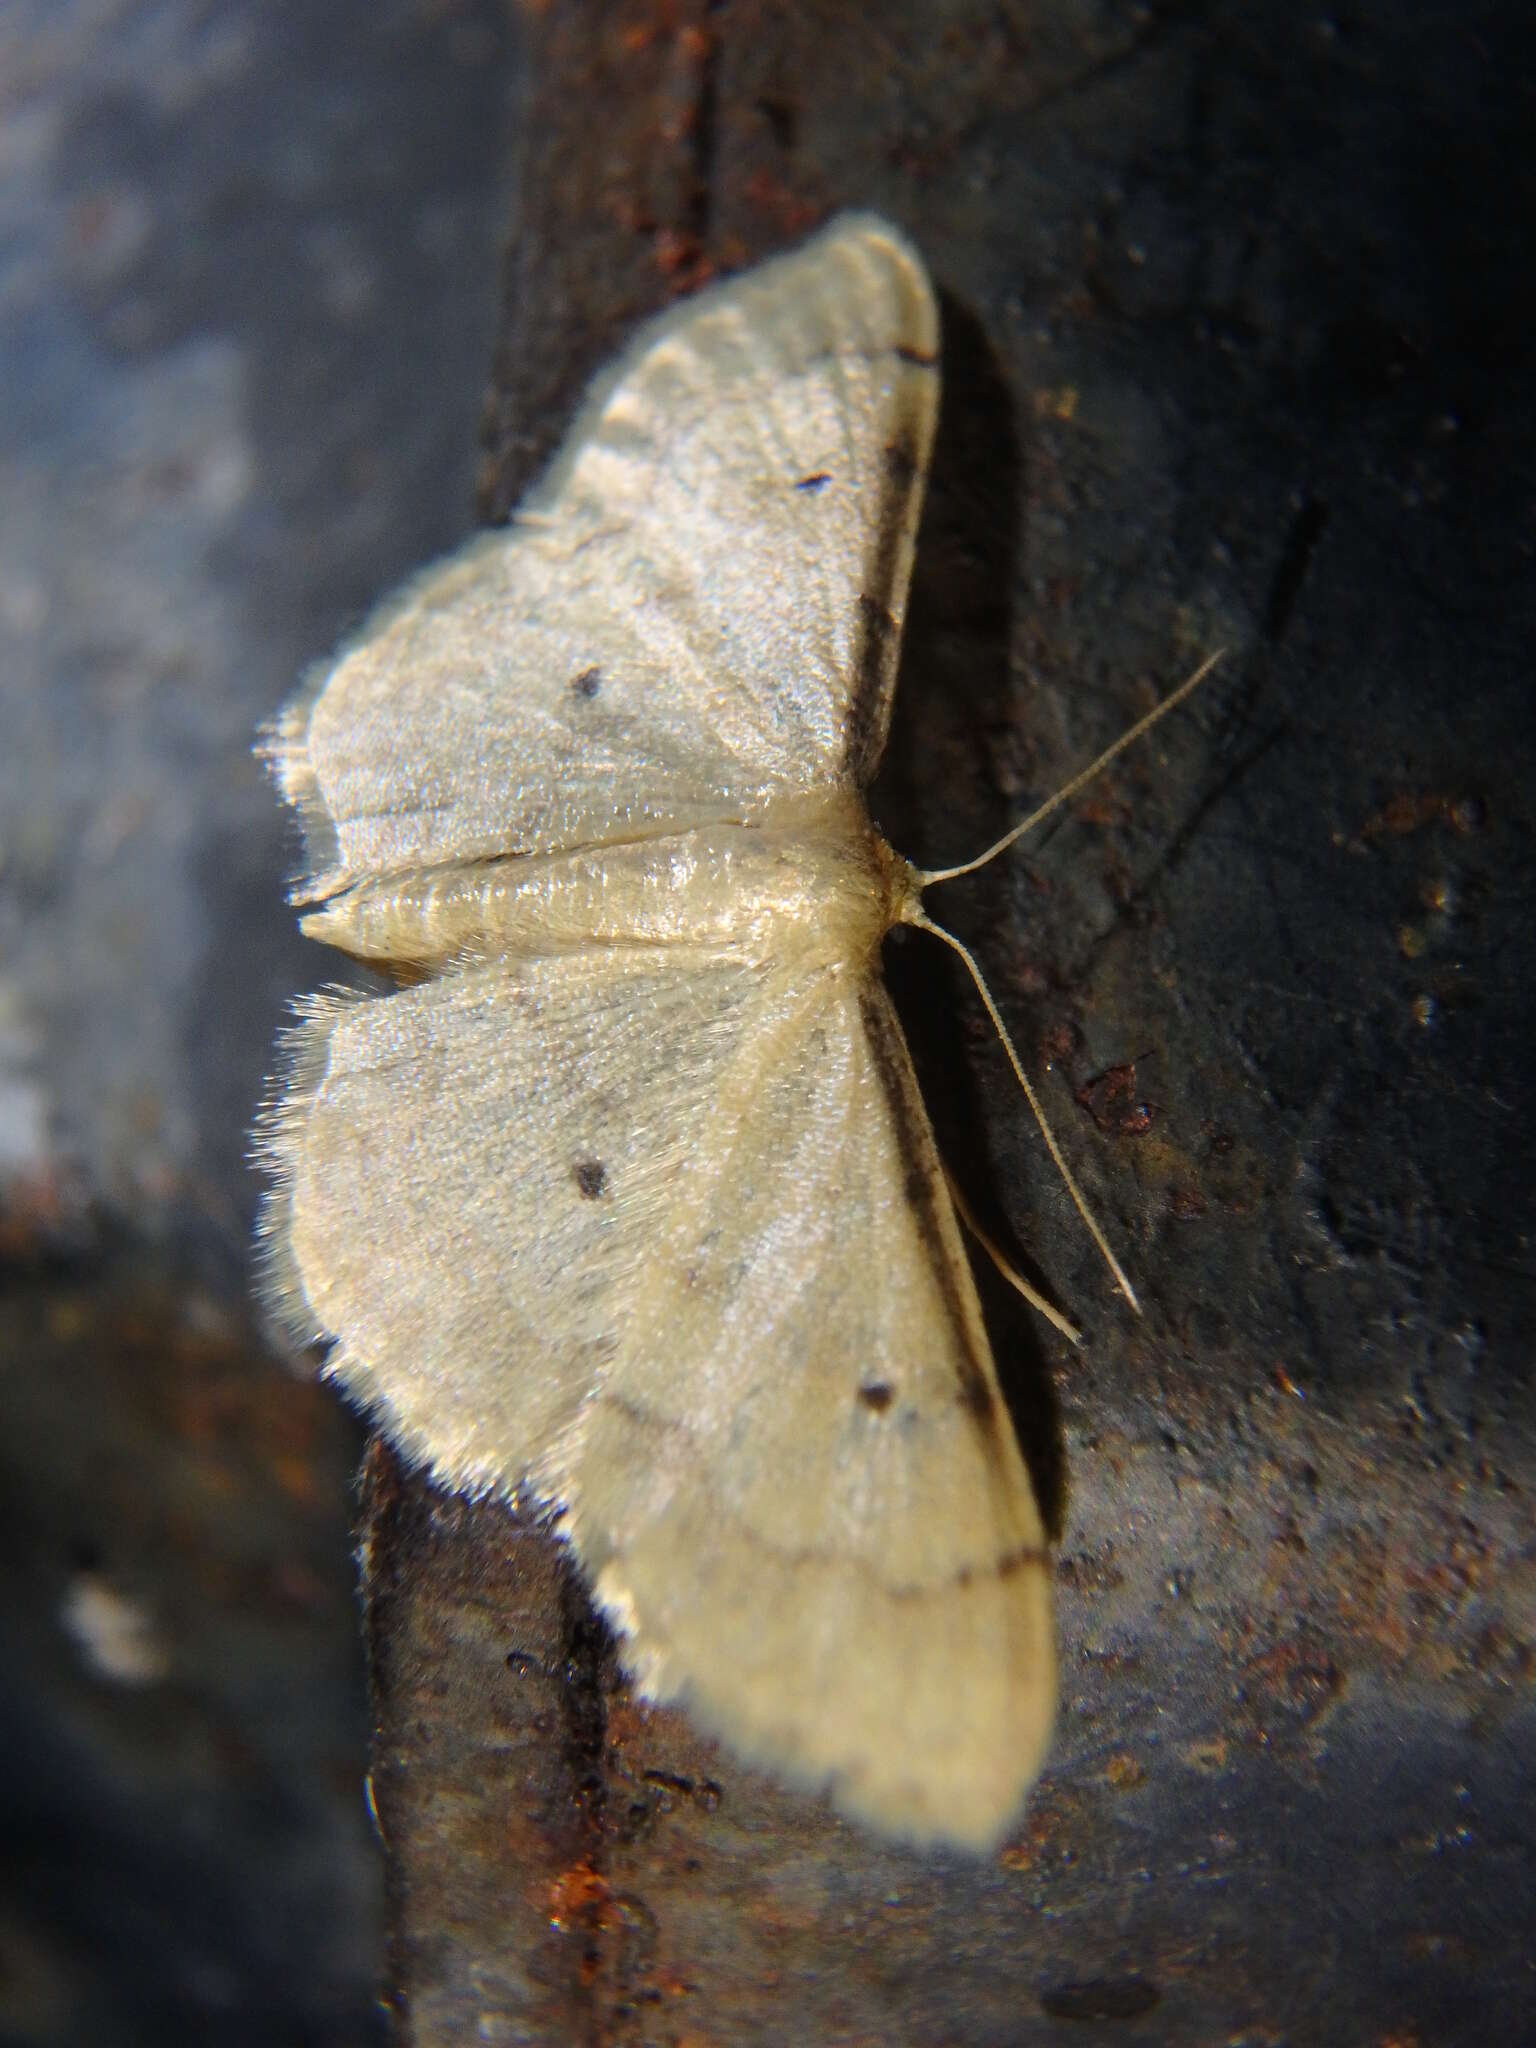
[184,1855]
[246,305]
[1238,352]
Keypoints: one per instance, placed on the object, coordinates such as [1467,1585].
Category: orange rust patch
[579,1898]
[1111,1100]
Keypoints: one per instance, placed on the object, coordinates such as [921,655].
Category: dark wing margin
[883,601]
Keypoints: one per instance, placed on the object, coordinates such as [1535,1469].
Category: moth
[624,1201]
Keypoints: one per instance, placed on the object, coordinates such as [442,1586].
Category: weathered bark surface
[1237,352]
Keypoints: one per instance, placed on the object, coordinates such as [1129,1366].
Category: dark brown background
[1238,309]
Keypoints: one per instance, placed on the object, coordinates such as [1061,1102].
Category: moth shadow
[937,799]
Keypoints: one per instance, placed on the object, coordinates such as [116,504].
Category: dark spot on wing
[814,483]
[901,464]
[591,1177]
[879,643]
[975,1397]
[1013,1561]
[925,359]
[974,1392]
[1005,1567]
[588,683]
[876,616]
[877,1396]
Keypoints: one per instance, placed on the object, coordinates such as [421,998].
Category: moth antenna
[1078,781]
[914,914]
[1006,1267]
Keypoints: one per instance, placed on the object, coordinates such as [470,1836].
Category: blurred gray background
[248,262]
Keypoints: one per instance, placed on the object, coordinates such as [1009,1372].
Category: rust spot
[1411,810]
[1293,1684]
[1208,1755]
[772,196]
[1111,1100]
[1091,1571]
[877,1396]
[580,1898]
[1058,1042]
[680,258]
[588,683]
[1104,809]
